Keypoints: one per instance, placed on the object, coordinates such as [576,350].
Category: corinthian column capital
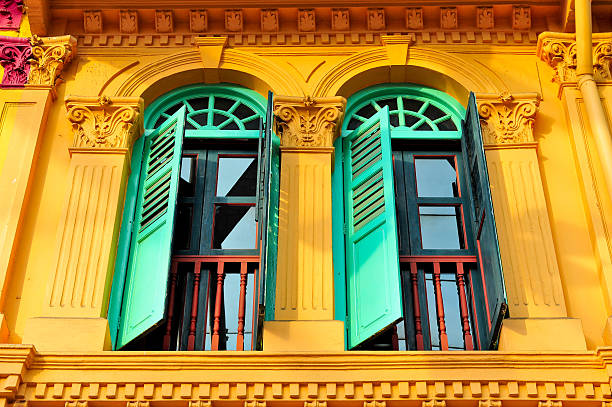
[307,121]
[104,123]
[506,118]
[49,57]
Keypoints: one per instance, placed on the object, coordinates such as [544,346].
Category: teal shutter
[146,284]
[123,246]
[267,221]
[488,281]
[372,267]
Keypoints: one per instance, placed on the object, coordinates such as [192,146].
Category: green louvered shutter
[488,282]
[372,267]
[146,283]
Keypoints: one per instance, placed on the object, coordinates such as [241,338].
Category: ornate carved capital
[104,123]
[14,55]
[11,12]
[308,122]
[506,118]
[49,56]
[560,53]
[602,59]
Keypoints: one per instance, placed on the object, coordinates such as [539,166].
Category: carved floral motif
[164,21]
[448,17]
[602,59]
[484,18]
[233,20]
[198,21]
[376,19]
[269,20]
[560,54]
[341,19]
[506,118]
[11,12]
[521,17]
[92,21]
[103,122]
[306,20]
[307,122]
[49,56]
[128,21]
[414,18]
[14,55]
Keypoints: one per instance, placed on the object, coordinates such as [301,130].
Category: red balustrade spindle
[194,306]
[217,315]
[440,307]
[463,307]
[173,273]
[418,326]
[242,306]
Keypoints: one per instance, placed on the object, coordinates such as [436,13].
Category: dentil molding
[49,57]
[104,123]
[507,118]
[307,121]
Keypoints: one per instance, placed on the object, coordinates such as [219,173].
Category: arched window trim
[439,99]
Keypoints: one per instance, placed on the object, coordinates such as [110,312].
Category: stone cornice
[49,57]
[104,124]
[308,122]
[14,55]
[507,118]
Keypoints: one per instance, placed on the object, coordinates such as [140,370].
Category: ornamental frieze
[14,55]
[308,122]
[104,123]
[507,118]
[49,57]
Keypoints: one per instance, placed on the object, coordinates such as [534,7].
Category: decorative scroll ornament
[602,59]
[506,118]
[560,54]
[308,122]
[14,55]
[103,122]
[11,12]
[50,55]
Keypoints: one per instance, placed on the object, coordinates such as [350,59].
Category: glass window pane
[237,176]
[436,177]
[182,227]
[440,227]
[188,175]
[432,313]
[234,227]
[231,296]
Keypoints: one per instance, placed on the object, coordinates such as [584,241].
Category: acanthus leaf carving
[49,57]
[560,54]
[602,59]
[14,57]
[506,118]
[104,123]
[308,122]
[11,13]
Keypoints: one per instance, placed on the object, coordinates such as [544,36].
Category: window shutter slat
[373,277]
[146,282]
[488,280]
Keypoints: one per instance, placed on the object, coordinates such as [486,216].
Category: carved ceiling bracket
[103,123]
[14,55]
[507,118]
[49,57]
[307,121]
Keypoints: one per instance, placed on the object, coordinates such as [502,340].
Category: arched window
[190,243]
[419,247]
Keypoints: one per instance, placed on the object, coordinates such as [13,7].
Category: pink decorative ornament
[14,55]
[11,12]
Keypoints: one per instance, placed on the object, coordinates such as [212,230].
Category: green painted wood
[144,299]
[123,246]
[492,303]
[338,236]
[404,101]
[373,277]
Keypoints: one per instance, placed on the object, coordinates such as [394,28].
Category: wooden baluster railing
[418,325]
[194,306]
[242,306]
[440,307]
[217,314]
[167,336]
[463,307]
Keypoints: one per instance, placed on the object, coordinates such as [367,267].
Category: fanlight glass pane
[441,227]
[436,177]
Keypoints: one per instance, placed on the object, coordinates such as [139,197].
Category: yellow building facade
[83,80]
